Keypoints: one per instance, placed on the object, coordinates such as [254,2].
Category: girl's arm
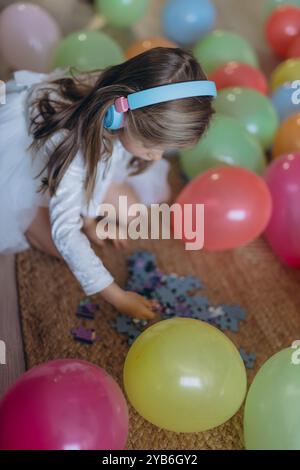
[66,224]
[74,246]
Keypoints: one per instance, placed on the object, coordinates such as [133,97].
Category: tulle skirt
[19,198]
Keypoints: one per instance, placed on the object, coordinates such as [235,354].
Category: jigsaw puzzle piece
[142,261]
[226,322]
[86,309]
[132,328]
[248,358]
[234,310]
[85,335]
[181,285]
[197,303]
[165,297]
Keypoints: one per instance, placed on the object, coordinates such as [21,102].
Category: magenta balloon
[64,405]
[283,231]
[28,37]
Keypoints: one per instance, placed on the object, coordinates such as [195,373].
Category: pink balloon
[283,231]
[28,37]
[64,405]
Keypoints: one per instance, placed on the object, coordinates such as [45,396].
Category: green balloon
[219,47]
[122,13]
[252,109]
[272,411]
[226,142]
[88,50]
[270,5]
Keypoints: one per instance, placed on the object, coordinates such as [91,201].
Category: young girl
[58,162]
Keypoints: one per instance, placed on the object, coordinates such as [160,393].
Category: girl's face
[137,149]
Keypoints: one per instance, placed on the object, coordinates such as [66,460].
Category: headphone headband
[173,91]
[160,94]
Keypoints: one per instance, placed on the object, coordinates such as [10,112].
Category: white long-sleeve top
[66,210]
[68,206]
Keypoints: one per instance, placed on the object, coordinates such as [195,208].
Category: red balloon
[294,49]
[283,231]
[234,74]
[237,207]
[64,405]
[282,27]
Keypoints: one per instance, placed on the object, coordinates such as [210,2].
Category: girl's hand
[136,306]
[130,303]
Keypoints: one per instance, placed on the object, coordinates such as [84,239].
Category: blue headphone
[115,115]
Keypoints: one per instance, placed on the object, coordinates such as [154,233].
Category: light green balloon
[272,411]
[219,47]
[122,13]
[252,109]
[88,50]
[226,142]
[270,5]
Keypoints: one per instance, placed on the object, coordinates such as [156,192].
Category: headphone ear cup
[113,120]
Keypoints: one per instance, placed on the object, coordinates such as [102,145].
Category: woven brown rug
[251,277]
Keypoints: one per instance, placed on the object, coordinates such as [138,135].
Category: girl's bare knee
[39,233]
[42,245]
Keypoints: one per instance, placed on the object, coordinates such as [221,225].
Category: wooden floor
[242,17]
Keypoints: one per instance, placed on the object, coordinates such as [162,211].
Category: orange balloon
[287,138]
[145,44]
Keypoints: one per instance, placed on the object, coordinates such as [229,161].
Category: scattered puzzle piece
[123,323]
[248,358]
[140,323]
[129,326]
[132,337]
[86,313]
[181,285]
[226,322]
[86,309]
[197,303]
[165,297]
[234,310]
[215,312]
[85,335]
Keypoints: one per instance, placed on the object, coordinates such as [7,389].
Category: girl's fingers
[146,302]
[116,244]
[146,314]
[120,243]
[153,305]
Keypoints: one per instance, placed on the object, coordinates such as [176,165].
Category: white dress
[19,198]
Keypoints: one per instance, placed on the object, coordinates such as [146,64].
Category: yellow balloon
[185,375]
[287,71]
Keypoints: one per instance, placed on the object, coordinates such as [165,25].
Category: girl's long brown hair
[76,104]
